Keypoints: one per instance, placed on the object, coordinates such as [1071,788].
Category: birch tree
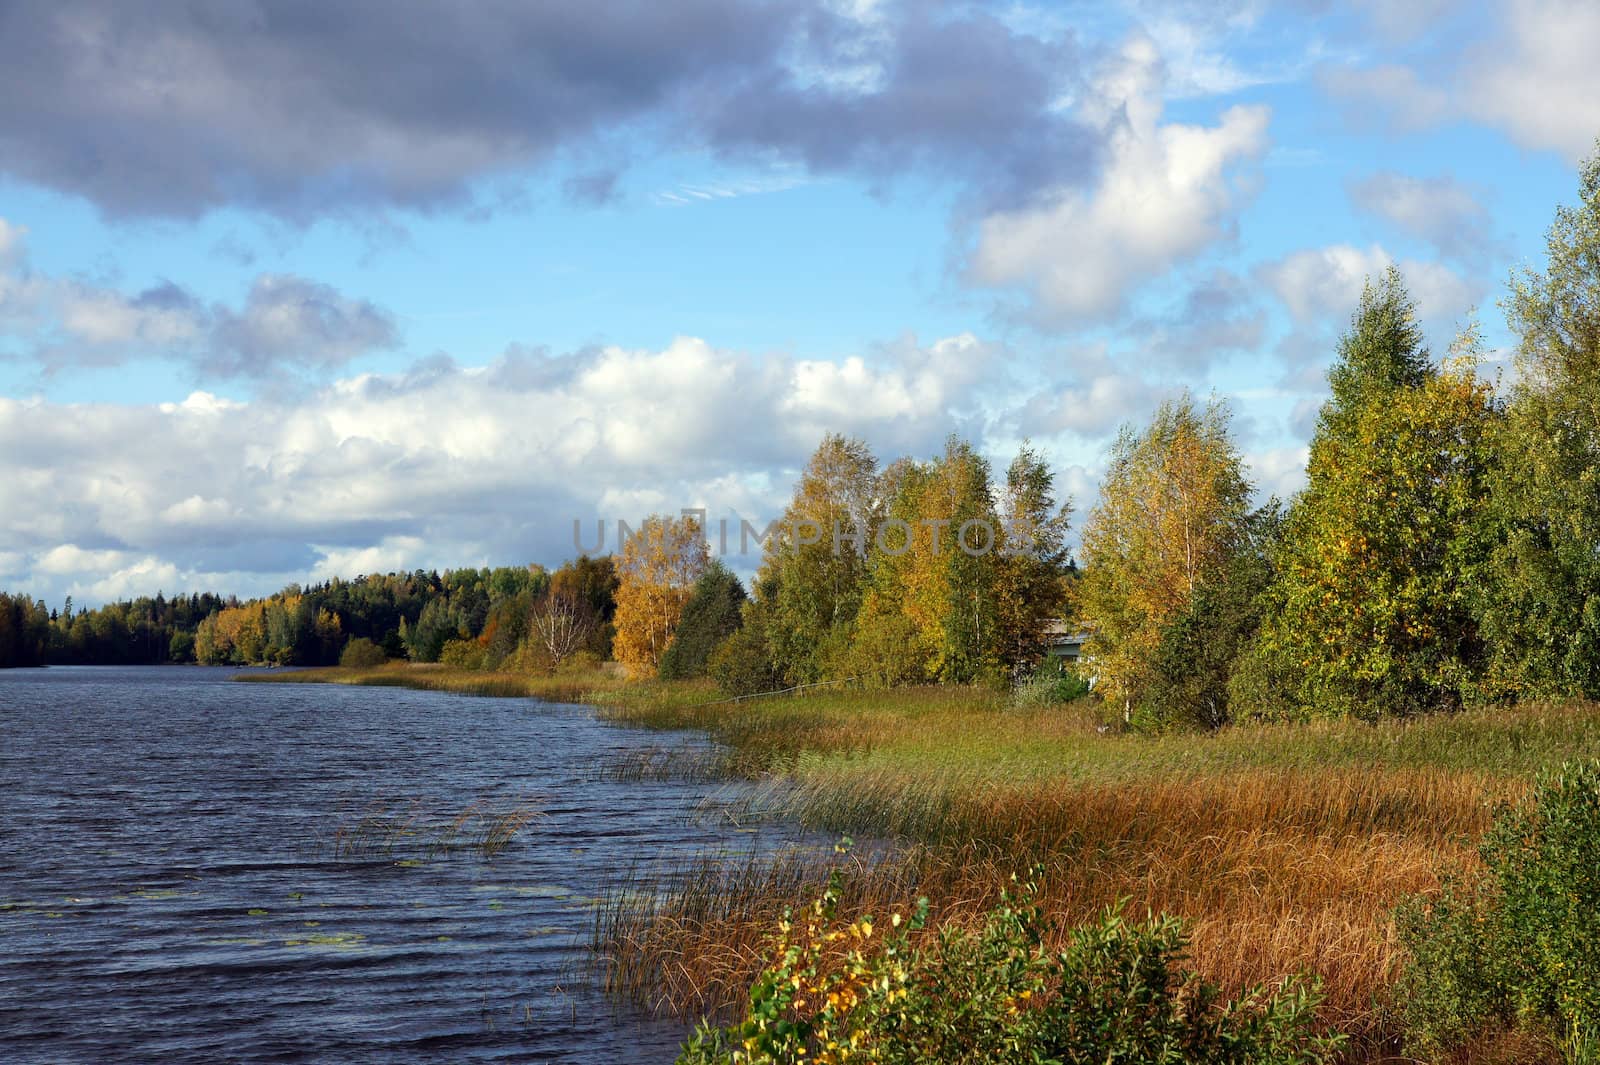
[1171,512]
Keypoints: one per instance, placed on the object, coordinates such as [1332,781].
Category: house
[1064,642]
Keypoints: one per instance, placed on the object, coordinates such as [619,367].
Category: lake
[193,869]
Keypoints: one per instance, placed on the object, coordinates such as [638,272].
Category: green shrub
[362,653]
[710,615]
[1049,688]
[1520,946]
[1117,995]
[741,664]
[464,654]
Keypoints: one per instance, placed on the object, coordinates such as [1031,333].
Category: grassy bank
[1286,848]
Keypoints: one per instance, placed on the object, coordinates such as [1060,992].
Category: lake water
[173,886]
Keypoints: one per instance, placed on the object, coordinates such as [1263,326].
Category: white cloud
[1278,471]
[1323,285]
[1095,399]
[443,465]
[1538,79]
[100,317]
[70,558]
[395,554]
[1167,192]
[1387,96]
[1531,73]
[285,322]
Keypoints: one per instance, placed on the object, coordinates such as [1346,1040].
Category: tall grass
[1285,848]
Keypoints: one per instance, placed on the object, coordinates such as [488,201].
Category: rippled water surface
[173,887]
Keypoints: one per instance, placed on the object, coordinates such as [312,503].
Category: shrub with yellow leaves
[852,992]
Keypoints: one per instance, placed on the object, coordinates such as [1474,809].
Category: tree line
[1444,552]
[915,572]
[477,617]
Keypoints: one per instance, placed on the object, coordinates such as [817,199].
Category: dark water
[171,889]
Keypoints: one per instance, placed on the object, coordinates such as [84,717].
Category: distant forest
[402,615]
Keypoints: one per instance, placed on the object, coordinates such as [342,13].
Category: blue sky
[293,291]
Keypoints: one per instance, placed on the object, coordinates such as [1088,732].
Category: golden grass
[1276,873]
[1285,849]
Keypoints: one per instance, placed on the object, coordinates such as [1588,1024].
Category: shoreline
[1287,847]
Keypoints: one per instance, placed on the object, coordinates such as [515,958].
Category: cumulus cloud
[1530,71]
[1538,79]
[1321,288]
[1323,285]
[302,108]
[1092,399]
[441,466]
[1166,192]
[286,323]
[1439,210]
[291,319]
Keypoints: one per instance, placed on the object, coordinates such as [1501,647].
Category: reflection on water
[196,870]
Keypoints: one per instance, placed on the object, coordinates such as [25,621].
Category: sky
[295,290]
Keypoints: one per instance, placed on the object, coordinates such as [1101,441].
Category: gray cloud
[964,94]
[286,323]
[1218,317]
[302,108]
[290,320]
[1439,210]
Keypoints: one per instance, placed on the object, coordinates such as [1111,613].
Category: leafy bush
[362,653]
[1050,688]
[464,654]
[1116,995]
[741,664]
[1520,946]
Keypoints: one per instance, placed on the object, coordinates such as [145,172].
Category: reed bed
[1267,889]
[1285,849]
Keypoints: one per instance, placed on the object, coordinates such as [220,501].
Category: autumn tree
[656,572]
[1542,616]
[593,581]
[560,624]
[1031,587]
[1371,612]
[817,557]
[1190,680]
[1170,515]
[932,608]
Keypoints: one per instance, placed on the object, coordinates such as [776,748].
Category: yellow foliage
[657,570]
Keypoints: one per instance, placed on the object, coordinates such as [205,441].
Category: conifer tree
[1371,613]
